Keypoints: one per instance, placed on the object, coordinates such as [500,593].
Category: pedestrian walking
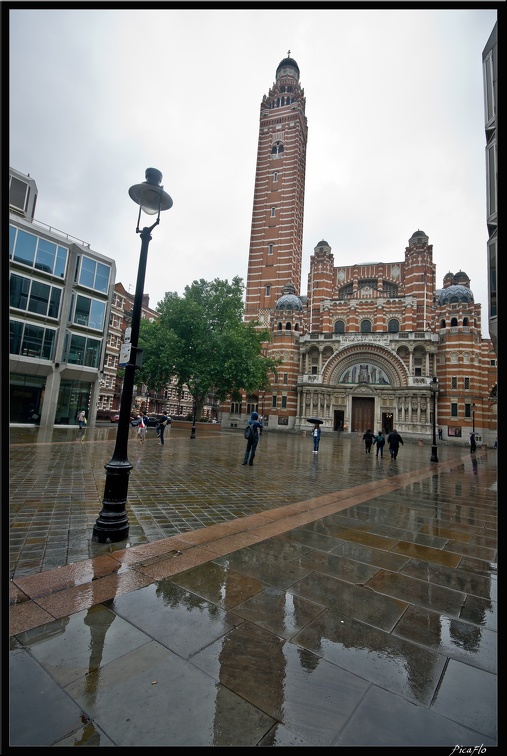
[368,440]
[162,424]
[380,441]
[473,443]
[440,435]
[81,419]
[394,440]
[253,440]
[141,429]
[316,438]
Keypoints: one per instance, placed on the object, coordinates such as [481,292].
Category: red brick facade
[361,347]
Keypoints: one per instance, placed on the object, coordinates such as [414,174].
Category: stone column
[51,393]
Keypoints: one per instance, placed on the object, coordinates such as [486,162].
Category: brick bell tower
[276,239]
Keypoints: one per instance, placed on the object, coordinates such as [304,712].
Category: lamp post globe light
[434,391]
[112,524]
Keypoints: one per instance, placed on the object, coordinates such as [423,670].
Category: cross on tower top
[288,53]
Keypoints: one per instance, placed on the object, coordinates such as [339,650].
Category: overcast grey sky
[394,101]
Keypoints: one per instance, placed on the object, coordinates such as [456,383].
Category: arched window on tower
[296,327]
[465,321]
[287,326]
[279,326]
[442,323]
[277,148]
[365,326]
[454,322]
[393,326]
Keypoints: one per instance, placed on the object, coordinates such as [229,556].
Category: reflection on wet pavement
[310,696]
[371,623]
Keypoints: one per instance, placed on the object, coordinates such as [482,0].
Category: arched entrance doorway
[363,414]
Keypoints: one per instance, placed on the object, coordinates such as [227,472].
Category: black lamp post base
[110,532]
[434,457]
[112,524]
[192,432]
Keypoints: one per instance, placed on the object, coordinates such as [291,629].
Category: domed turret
[462,278]
[455,293]
[289,300]
[418,237]
[287,67]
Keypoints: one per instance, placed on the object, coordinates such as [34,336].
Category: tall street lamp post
[112,524]
[473,418]
[196,382]
[434,391]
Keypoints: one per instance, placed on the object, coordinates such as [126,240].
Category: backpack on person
[249,432]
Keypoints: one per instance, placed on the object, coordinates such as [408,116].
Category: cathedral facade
[369,345]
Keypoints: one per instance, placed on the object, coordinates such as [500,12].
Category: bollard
[304,434]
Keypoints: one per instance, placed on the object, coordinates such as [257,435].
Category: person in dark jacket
[380,441]
[251,444]
[394,440]
[368,440]
[473,443]
[162,424]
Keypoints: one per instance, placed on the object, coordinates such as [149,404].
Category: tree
[201,340]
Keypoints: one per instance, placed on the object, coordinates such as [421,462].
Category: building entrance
[363,414]
[387,422]
[338,420]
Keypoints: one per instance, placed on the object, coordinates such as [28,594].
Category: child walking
[141,429]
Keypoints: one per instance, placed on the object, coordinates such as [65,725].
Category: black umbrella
[314,420]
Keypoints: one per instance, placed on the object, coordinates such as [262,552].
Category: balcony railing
[379,337]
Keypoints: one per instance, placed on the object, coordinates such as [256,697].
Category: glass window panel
[97,314]
[12,239]
[76,349]
[46,252]
[32,341]
[82,312]
[39,298]
[49,343]
[92,353]
[102,278]
[492,179]
[87,275]
[24,250]
[54,302]
[61,261]
[19,289]
[16,335]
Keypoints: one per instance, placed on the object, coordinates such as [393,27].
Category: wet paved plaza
[330,599]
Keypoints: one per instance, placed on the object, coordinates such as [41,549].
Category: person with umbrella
[315,432]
